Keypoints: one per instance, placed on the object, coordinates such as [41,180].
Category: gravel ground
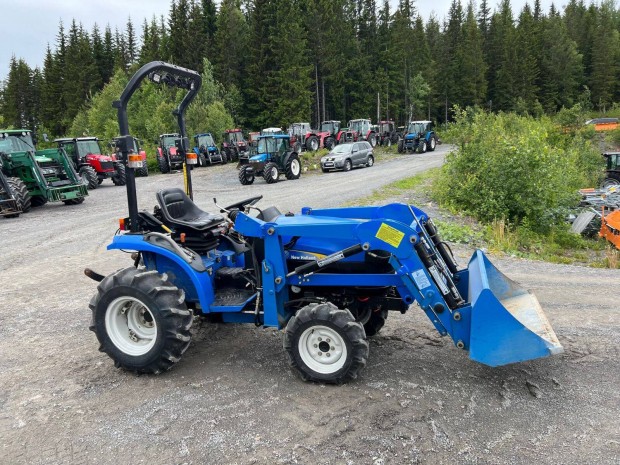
[233,399]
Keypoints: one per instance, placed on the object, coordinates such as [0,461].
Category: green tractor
[274,155]
[43,175]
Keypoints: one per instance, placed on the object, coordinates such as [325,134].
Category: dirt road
[233,399]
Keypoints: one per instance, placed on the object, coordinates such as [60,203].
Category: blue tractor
[420,137]
[274,156]
[207,151]
[327,277]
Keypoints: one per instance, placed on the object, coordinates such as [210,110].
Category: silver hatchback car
[347,156]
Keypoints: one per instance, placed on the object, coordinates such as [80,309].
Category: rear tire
[335,335]
[141,320]
[371,161]
[21,194]
[292,170]
[312,143]
[121,177]
[89,177]
[271,173]
[245,177]
[610,181]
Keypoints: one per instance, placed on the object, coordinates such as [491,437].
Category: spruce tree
[230,44]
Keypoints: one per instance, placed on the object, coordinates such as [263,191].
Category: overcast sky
[27,26]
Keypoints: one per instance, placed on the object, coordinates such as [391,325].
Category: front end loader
[328,277]
[48,175]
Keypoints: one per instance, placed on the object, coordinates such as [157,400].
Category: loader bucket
[507,322]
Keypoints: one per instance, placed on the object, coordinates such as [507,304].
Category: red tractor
[330,135]
[387,134]
[361,129]
[168,155]
[144,171]
[234,145]
[90,162]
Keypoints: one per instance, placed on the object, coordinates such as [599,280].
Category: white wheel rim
[314,144]
[371,161]
[130,326]
[295,167]
[432,143]
[322,349]
[274,172]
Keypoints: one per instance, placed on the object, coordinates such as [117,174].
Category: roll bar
[158,72]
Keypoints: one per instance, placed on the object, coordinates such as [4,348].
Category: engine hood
[99,158]
[261,157]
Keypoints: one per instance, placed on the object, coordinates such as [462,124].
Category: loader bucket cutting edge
[507,322]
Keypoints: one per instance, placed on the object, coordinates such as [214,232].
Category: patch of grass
[397,188]
[459,233]
[311,161]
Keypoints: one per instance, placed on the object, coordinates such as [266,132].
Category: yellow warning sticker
[390,235]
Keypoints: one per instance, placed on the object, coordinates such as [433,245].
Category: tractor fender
[160,154]
[185,272]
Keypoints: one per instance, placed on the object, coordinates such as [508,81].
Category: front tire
[347,165]
[77,201]
[271,173]
[401,146]
[292,169]
[141,320]
[432,144]
[245,177]
[375,322]
[121,177]
[329,143]
[372,140]
[422,147]
[325,344]
[89,177]
[163,164]
[20,193]
[202,160]
[144,171]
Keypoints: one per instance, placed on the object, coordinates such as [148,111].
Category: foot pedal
[227,272]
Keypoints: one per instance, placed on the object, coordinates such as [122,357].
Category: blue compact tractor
[328,277]
[207,151]
[274,156]
[420,137]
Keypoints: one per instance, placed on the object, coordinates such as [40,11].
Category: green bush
[515,168]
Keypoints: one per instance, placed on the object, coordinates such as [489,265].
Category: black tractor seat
[178,209]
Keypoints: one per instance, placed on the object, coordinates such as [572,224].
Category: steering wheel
[243,203]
